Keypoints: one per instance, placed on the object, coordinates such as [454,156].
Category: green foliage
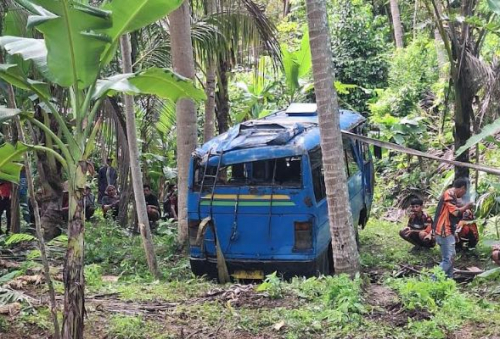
[487,131]
[18,238]
[10,276]
[125,327]
[408,131]
[271,285]
[344,296]
[155,81]
[4,325]
[256,96]
[72,40]
[425,293]
[10,166]
[494,6]
[93,275]
[39,317]
[425,329]
[9,296]
[296,65]
[359,47]
[413,70]
[118,253]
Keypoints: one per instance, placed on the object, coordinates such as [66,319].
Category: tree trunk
[123,162]
[441,54]
[286,7]
[209,127]
[222,97]
[396,23]
[74,281]
[135,169]
[345,254]
[463,116]
[183,63]
[15,211]
[50,195]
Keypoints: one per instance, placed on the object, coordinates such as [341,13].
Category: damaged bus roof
[281,134]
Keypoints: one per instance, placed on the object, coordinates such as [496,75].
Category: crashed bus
[257,197]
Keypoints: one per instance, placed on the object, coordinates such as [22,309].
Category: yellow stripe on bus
[247,197]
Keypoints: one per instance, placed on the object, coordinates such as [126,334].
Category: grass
[322,307]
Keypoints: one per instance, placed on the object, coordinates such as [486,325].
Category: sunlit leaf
[488,130]
[73,45]
[494,5]
[156,81]
[14,76]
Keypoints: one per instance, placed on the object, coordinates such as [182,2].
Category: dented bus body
[257,196]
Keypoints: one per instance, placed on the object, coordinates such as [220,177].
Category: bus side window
[318,179]
[350,162]
[365,151]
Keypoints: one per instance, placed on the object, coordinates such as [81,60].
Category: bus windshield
[269,172]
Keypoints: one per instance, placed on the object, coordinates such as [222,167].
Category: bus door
[354,179]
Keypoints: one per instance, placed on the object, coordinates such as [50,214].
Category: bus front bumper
[253,269]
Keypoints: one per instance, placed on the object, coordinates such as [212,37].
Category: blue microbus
[257,196]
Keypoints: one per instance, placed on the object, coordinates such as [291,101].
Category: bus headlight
[193,231]
[303,235]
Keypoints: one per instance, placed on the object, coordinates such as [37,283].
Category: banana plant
[79,40]
[296,66]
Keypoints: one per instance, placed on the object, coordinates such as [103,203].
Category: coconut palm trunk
[135,169]
[209,127]
[345,254]
[183,64]
[396,24]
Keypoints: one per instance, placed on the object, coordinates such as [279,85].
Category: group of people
[453,226]
[109,198]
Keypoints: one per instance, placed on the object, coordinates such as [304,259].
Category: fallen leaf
[110,278]
[10,309]
[20,282]
[279,326]
[474,269]
[8,264]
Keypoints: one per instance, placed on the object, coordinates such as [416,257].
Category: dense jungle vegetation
[144,82]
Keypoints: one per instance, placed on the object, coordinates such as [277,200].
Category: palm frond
[167,118]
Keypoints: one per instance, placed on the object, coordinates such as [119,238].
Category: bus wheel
[362,218]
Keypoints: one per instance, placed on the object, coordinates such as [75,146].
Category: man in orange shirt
[448,214]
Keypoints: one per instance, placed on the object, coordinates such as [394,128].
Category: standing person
[174,211]
[5,192]
[448,214]
[166,201]
[419,229]
[107,177]
[23,195]
[152,204]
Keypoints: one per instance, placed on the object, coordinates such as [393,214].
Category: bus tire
[331,266]
[323,263]
[363,218]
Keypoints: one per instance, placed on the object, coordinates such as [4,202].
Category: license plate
[248,275]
